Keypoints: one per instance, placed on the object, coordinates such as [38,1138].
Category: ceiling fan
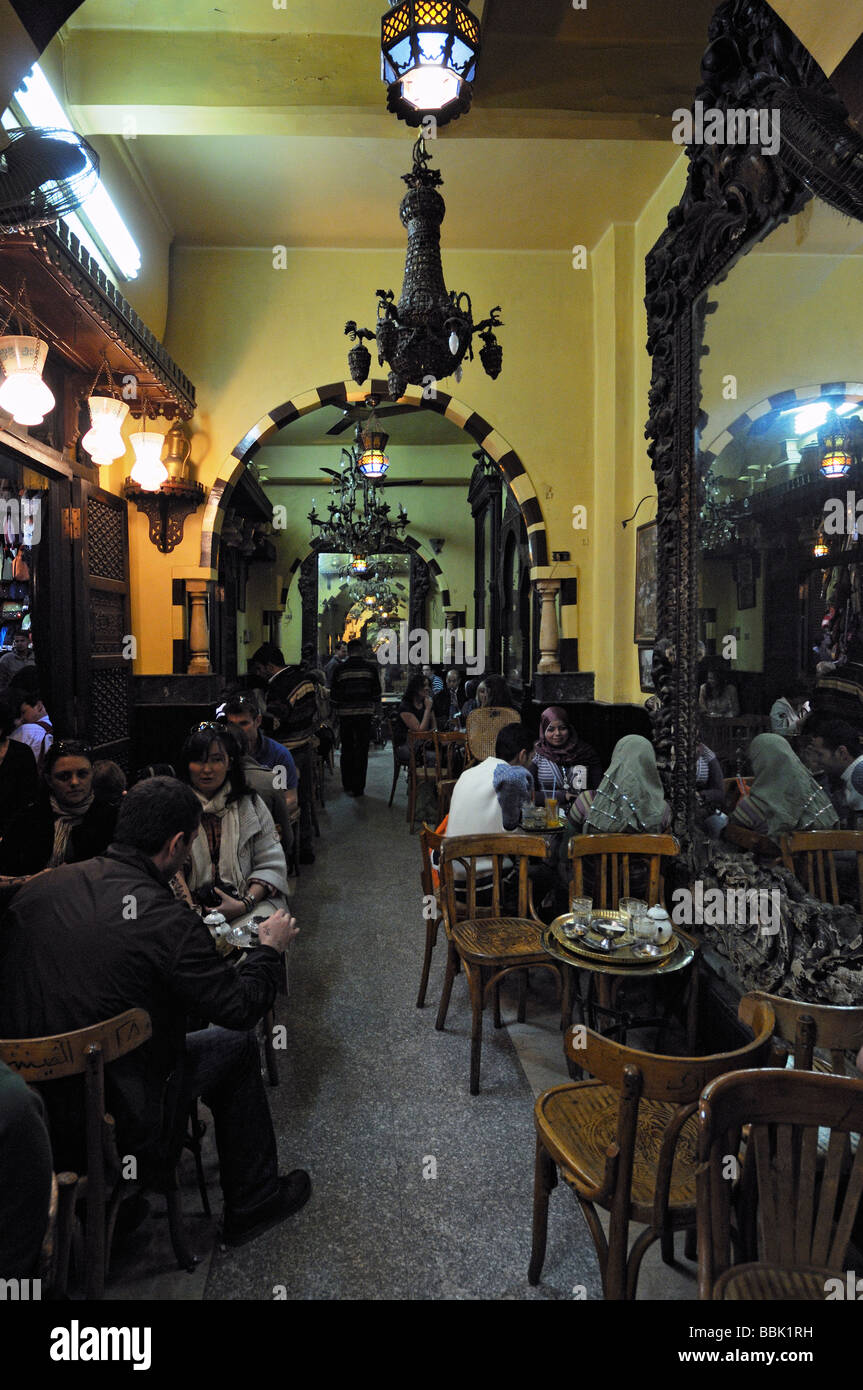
[364,412]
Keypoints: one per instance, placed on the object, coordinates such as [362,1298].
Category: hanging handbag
[6,574]
[20,567]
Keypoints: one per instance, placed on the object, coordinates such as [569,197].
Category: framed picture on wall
[645,668]
[645,584]
[745,582]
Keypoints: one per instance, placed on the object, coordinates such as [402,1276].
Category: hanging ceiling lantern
[148,471]
[820,547]
[104,441]
[372,440]
[836,458]
[359,565]
[429,52]
[23,393]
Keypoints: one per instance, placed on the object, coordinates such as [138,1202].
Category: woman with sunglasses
[67,822]
[236,860]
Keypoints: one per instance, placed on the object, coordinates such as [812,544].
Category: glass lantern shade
[23,393]
[148,471]
[820,547]
[836,464]
[373,463]
[104,441]
[429,51]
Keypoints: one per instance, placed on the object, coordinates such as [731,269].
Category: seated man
[487,799]
[242,713]
[25,1176]
[291,699]
[837,751]
[86,941]
[32,724]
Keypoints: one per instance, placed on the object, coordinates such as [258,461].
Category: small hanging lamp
[372,442]
[23,393]
[429,52]
[104,440]
[836,457]
[148,471]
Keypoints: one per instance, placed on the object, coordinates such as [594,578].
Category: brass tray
[622,953]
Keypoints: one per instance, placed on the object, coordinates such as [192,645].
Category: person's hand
[278,931]
[230,908]
[427,701]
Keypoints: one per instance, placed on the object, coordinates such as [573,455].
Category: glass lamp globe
[148,471]
[104,441]
[23,393]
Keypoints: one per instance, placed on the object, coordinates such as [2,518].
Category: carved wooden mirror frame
[734,197]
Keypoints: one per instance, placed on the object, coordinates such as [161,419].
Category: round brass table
[606,970]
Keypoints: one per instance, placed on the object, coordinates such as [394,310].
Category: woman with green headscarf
[784,795]
[628,801]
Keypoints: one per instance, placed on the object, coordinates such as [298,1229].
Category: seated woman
[784,795]
[67,821]
[563,764]
[628,801]
[709,781]
[236,860]
[415,712]
[718,695]
[493,690]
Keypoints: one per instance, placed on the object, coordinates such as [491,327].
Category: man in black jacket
[84,942]
[356,694]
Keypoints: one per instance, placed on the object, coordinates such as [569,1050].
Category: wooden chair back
[447,747]
[791,1211]
[679,1080]
[803,1027]
[86,1051]
[485,860]
[638,1076]
[751,840]
[612,875]
[430,843]
[810,855]
[483,727]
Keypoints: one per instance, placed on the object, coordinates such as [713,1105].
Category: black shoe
[294,1191]
[307,856]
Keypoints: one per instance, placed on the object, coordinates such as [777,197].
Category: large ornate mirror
[752,300]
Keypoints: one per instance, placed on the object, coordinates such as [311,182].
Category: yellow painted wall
[251,336]
[782,321]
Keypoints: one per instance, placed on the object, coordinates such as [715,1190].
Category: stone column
[549,636]
[199,630]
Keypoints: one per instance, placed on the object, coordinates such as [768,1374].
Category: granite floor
[419,1190]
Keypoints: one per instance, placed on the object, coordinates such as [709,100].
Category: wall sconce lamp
[837,445]
[170,501]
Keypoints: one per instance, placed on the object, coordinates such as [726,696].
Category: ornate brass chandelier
[359,519]
[426,335]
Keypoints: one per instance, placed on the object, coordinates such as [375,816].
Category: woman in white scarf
[236,853]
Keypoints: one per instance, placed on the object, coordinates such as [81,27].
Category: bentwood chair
[86,1052]
[803,1027]
[449,750]
[626,1141]
[793,1214]
[490,939]
[430,843]
[811,855]
[418,742]
[620,864]
[483,726]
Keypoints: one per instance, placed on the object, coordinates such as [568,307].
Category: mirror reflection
[780,575]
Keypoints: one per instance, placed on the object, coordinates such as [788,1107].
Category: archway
[348,393]
[780,400]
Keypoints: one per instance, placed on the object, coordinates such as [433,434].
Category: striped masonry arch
[781,400]
[348,393]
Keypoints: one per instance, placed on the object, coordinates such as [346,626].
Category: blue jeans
[223,1067]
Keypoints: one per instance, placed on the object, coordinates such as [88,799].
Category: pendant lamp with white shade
[148,470]
[23,393]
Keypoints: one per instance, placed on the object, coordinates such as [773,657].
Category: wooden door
[103,649]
